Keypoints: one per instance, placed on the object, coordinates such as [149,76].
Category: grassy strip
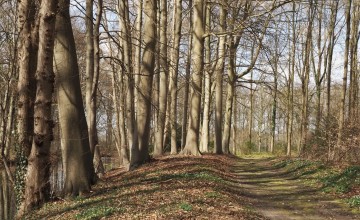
[344,182]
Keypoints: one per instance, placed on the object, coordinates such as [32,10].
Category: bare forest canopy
[83,80]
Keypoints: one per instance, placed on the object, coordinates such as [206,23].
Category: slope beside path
[204,187]
[278,194]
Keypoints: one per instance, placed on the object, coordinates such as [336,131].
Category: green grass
[212,194]
[185,206]
[342,181]
[354,201]
[330,179]
[97,212]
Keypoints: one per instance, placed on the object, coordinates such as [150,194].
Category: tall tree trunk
[353,62]
[289,127]
[27,66]
[92,78]
[344,85]
[163,85]
[186,93]
[145,86]
[251,109]
[305,81]
[218,90]
[275,59]
[330,50]
[233,44]
[93,136]
[138,46]
[177,21]
[261,118]
[192,136]
[234,126]
[89,72]
[37,186]
[117,84]
[205,123]
[10,126]
[76,154]
[127,76]
[318,75]
[274,110]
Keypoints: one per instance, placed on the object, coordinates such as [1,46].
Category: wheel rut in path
[278,194]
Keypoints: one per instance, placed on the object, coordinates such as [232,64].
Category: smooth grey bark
[177,21]
[219,149]
[140,150]
[186,93]
[305,81]
[138,50]
[353,87]
[89,71]
[290,107]
[235,127]
[163,83]
[251,109]
[317,73]
[345,76]
[127,75]
[274,107]
[328,67]
[207,84]
[330,50]
[192,136]
[92,77]
[76,154]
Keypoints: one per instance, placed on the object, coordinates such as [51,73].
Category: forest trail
[220,187]
[278,194]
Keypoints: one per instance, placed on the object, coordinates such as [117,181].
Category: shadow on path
[276,194]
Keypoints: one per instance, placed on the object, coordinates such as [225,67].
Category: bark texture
[140,150]
[163,83]
[177,21]
[27,66]
[37,185]
[192,136]
[76,154]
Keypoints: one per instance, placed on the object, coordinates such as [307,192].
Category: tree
[207,87]
[305,80]
[37,189]
[27,65]
[126,81]
[187,82]
[345,74]
[192,136]
[92,78]
[140,150]
[290,90]
[163,85]
[76,154]
[353,87]
[177,21]
[219,81]
[329,57]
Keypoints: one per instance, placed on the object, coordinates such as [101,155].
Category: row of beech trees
[185,77]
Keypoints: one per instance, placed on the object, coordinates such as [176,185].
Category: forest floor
[207,187]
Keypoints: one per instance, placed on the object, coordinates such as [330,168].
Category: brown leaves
[173,187]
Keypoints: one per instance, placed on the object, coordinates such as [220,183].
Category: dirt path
[277,194]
